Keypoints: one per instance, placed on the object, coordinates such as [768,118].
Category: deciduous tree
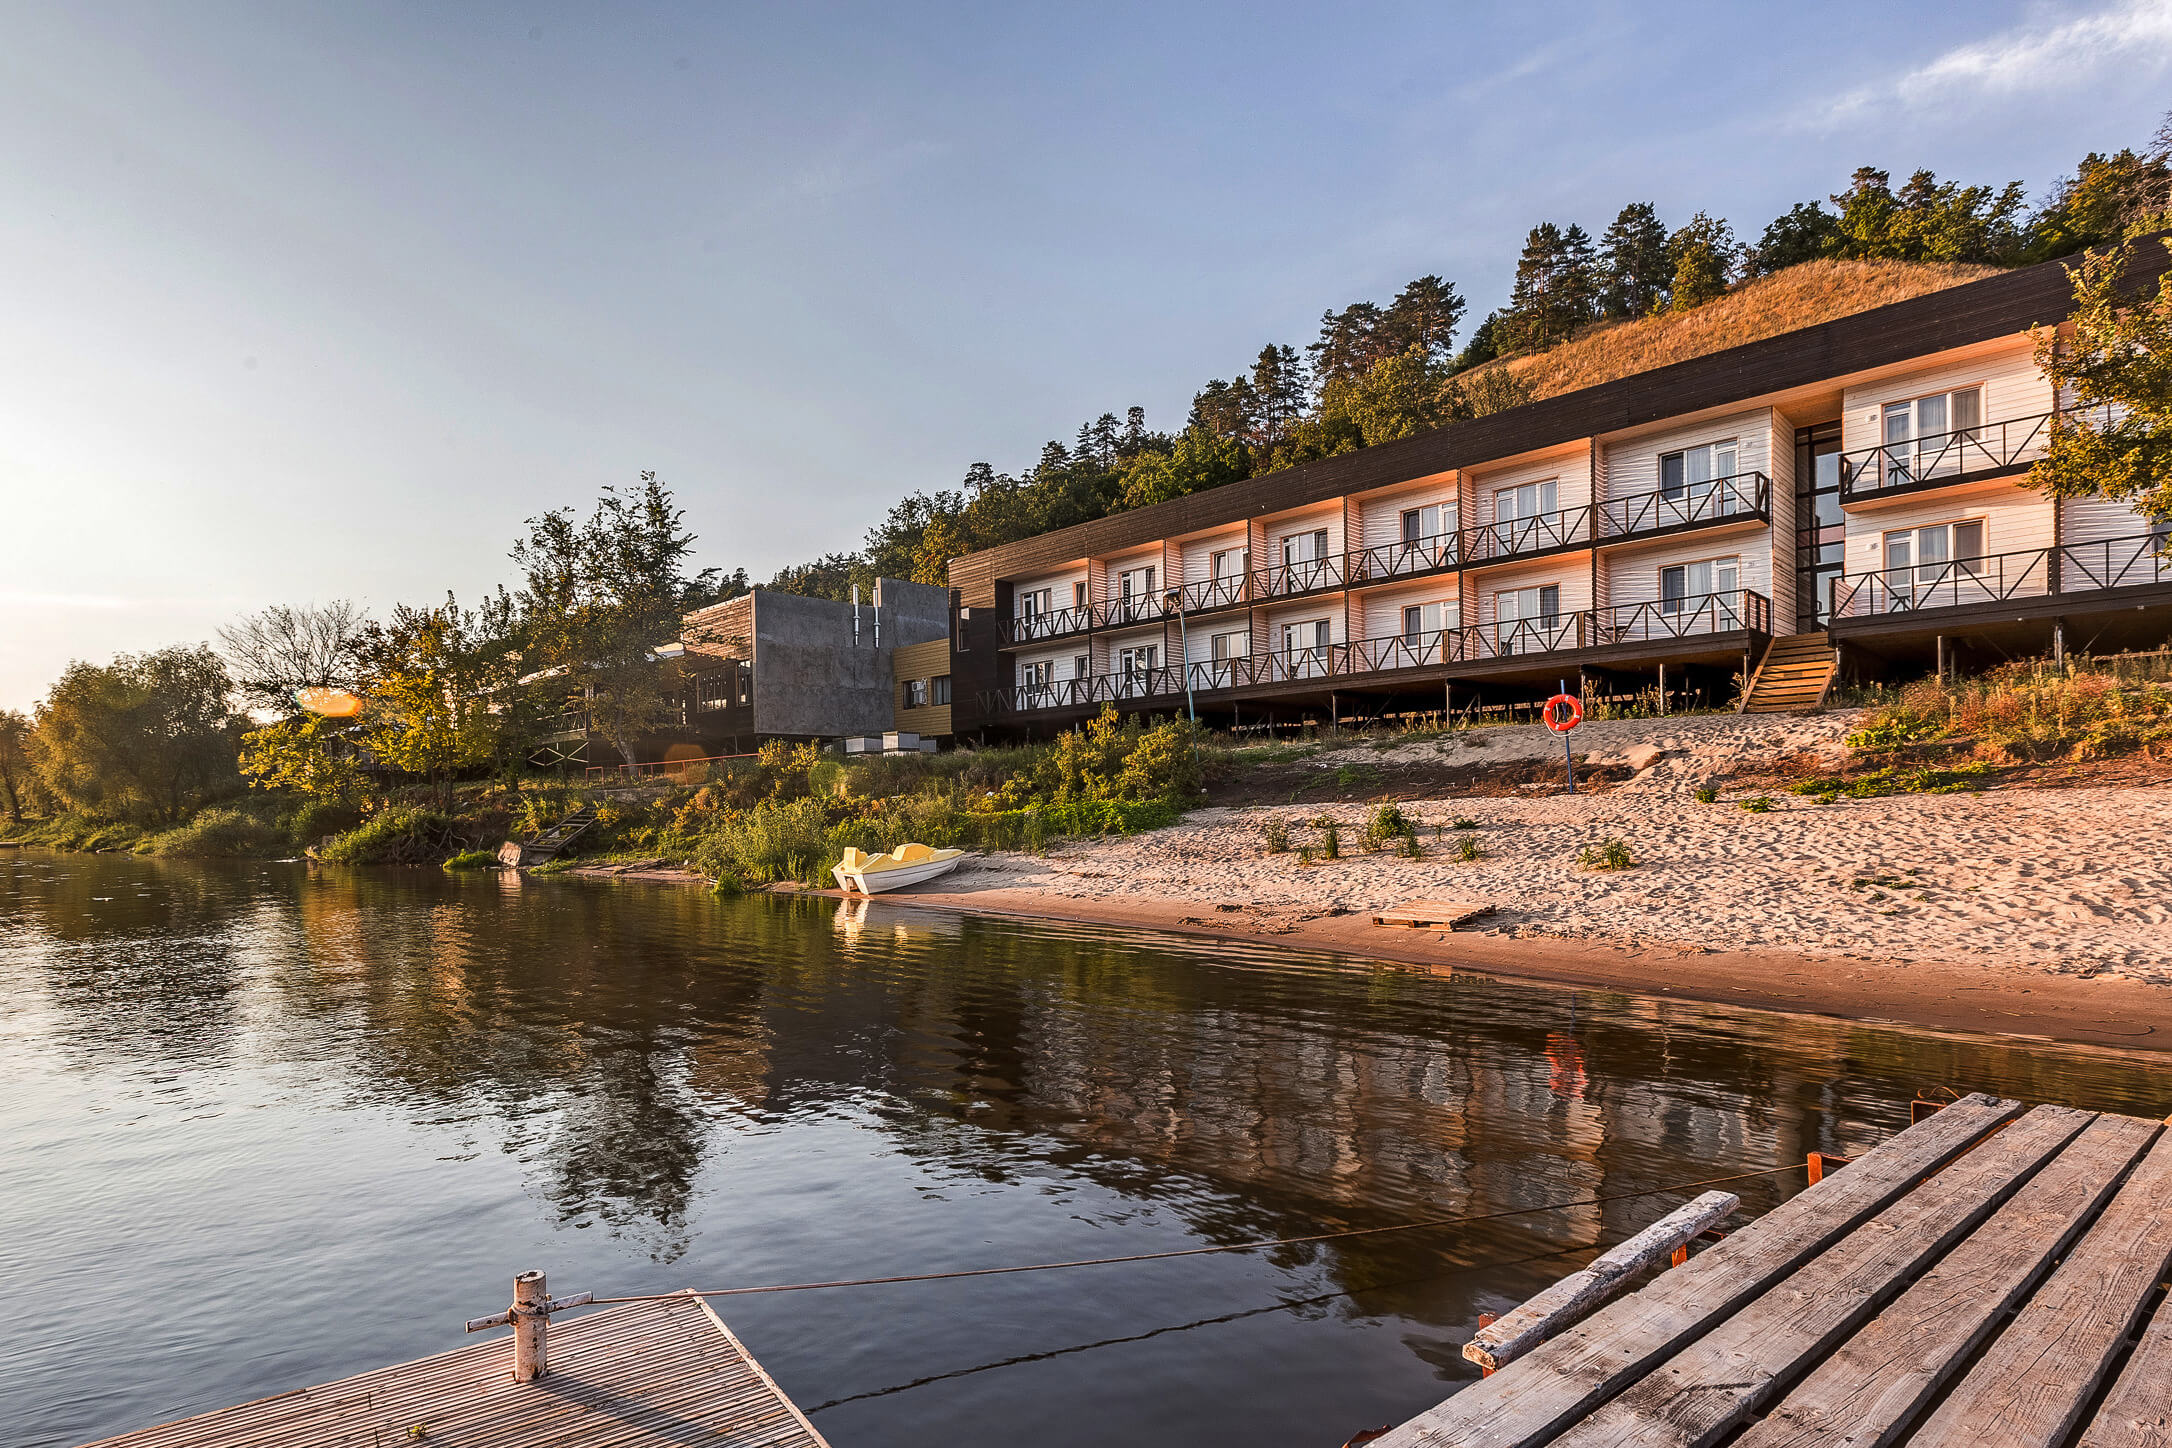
[14,760]
[1705,256]
[278,651]
[2116,442]
[148,736]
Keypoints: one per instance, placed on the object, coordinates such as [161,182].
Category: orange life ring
[1563,723]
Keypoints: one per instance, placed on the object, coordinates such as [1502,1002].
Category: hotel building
[1849,500]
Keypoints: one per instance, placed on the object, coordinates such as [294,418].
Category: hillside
[1800,296]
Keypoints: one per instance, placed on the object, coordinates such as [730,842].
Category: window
[1304,560]
[939,690]
[1229,563]
[1304,647]
[1436,520]
[1690,473]
[1135,586]
[1422,620]
[1517,513]
[1525,617]
[1226,646]
[1686,585]
[1033,603]
[916,693]
[1938,565]
[1137,659]
[1081,666]
[1928,436]
[1078,594]
[1036,675]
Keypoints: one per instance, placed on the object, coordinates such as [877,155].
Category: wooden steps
[1794,676]
[551,843]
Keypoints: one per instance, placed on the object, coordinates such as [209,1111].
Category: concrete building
[1850,498]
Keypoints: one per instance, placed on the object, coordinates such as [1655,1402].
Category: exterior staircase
[1793,677]
[549,844]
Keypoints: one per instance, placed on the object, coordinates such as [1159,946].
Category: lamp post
[1174,599]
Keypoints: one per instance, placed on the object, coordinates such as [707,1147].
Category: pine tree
[1484,346]
[1705,255]
[1224,409]
[1806,232]
[1634,263]
[1349,343]
[1555,286]
[1279,389]
[1424,314]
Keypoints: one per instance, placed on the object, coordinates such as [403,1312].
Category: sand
[2074,881]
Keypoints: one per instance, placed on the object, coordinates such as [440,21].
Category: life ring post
[1563,712]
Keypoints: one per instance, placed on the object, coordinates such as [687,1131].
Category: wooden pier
[648,1373]
[1988,1276]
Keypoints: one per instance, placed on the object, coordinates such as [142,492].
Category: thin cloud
[2133,37]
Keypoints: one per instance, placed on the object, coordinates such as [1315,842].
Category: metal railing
[1661,619]
[1054,624]
[2070,568]
[1719,500]
[1940,459]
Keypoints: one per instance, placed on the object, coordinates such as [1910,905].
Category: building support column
[2058,644]
[1941,645]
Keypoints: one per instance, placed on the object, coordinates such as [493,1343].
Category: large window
[1526,619]
[1038,674]
[1520,514]
[1936,566]
[1928,437]
[939,690]
[1435,520]
[1304,561]
[1422,620]
[1034,603]
[1687,585]
[1692,473]
[1226,646]
[1135,587]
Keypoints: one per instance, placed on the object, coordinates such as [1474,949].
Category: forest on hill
[1583,308]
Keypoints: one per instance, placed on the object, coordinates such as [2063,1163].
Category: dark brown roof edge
[1934,322]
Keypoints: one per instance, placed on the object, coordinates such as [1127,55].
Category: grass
[1464,822]
[1800,296]
[1331,842]
[1608,854]
[1896,779]
[473,860]
[1466,848]
[2028,712]
[1706,794]
[1386,825]
[1275,837]
[1756,805]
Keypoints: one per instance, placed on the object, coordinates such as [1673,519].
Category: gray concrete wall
[809,680]
[912,613]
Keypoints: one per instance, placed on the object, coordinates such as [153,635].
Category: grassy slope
[1801,296]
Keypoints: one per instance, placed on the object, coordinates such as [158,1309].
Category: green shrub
[1331,842]
[1275,835]
[1894,779]
[1608,854]
[473,860]
[1706,794]
[1386,825]
[1464,823]
[774,841]
[1467,848]
[399,835]
[1758,805]
[313,819]
[1407,844]
[222,833]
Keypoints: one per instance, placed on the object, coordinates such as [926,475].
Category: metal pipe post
[531,1327]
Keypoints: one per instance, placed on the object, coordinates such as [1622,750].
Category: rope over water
[1202,1251]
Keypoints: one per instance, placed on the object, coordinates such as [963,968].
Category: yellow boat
[906,865]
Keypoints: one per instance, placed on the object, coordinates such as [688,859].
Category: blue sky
[309,301]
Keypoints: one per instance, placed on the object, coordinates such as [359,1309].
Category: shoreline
[2102,1011]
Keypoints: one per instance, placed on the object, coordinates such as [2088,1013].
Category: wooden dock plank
[1879,1381]
[1710,1387]
[1434,914]
[637,1376]
[1532,1399]
[2138,1411]
[2037,1377]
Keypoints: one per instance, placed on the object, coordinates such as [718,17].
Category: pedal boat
[907,865]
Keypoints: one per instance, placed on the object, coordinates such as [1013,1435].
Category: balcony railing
[1659,620]
[1053,624]
[1942,459]
[1693,505]
[2071,568]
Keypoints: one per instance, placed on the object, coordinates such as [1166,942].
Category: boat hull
[875,882]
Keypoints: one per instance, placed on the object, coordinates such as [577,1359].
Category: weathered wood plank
[1434,914]
[2033,1383]
[1706,1390]
[638,1376]
[2138,1411]
[1530,1400]
[1876,1385]
[1584,1292]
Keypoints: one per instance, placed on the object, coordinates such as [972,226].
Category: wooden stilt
[531,1327]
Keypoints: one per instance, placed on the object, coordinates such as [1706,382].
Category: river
[267,1126]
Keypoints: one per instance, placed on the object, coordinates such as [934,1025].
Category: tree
[2106,198]
[1349,343]
[1928,221]
[438,682]
[1279,392]
[1704,255]
[306,753]
[2116,440]
[149,736]
[1424,314]
[1484,346]
[1635,272]
[1225,409]
[15,771]
[1200,460]
[1806,232]
[1487,391]
[1556,286]
[1399,396]
[831,576]
[600,595]
[278,651]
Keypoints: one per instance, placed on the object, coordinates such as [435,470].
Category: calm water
[319,1119]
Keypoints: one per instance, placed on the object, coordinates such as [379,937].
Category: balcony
[1941,460]
[2070,569]
[1037,628]
[1661,621]
[1744,496]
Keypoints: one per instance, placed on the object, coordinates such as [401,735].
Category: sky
[301,302]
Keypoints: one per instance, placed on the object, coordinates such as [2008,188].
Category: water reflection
[718,1091]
